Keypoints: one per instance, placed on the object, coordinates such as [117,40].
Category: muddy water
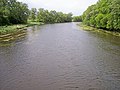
[61,57]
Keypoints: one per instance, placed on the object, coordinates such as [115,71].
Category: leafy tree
[33,14]
[4,12]
[104,14]
[77,19]
[53,16]
[40,15]
[13,12]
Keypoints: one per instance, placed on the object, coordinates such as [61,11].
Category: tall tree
[33,14]
[13,12]
[105,14]
[53,16]
[77,18]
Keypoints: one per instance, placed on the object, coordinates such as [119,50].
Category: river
[61,57]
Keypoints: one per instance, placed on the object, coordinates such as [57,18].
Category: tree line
[15,12]
[77,19]
[105,14]
[45,16]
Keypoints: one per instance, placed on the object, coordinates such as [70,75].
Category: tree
[13,12]
[4,12]
[77,18]
[40,15]
[46,16]
[33,14]
[105,14]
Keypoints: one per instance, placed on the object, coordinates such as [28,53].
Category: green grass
[13,32]
[15,28]
[10,29]
[92,29]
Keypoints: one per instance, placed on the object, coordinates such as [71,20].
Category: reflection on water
[61,57]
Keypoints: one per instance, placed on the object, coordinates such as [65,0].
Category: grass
[10,29]
[13,32]
[15,28]
[89,28]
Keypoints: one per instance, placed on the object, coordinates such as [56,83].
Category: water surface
[61,57]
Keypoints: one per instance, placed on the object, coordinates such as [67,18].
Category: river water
[61,57]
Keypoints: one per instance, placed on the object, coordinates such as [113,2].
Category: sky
[77,7]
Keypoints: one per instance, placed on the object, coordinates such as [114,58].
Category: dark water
[61,57]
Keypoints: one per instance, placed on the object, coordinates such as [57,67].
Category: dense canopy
[77,19]
[13,12]
[105,14]
[46,16]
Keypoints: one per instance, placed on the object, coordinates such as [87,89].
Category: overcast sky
[77,7]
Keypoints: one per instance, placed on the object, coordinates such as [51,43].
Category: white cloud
[77,7]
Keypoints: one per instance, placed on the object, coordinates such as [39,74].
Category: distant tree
[33,14]
[53,16]
[77,19]
[40,15]
[69,17]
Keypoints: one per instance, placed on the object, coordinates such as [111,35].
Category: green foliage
[33,13]
[10,29]
[105,14]
[77,18]
[46,16]
[13,12]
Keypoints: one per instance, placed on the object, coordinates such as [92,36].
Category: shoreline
[13,32]
[14,28]
[92,29]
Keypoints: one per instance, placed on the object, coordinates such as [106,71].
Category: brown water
[61,57]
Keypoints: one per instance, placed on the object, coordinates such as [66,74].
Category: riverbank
[15,28]
[92,29]
[13,32]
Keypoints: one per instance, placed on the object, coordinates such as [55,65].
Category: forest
[104,15]
[14,12]
[45,16]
